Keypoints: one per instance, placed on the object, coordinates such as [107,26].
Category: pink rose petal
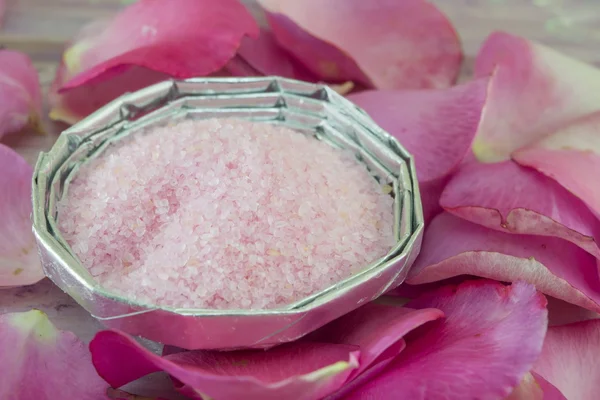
[122,395]
[436,126]
[148,41]
[20,95]
[302,370]
[490,338]
[571,156]
[569,359]
[43,363]
[266,57]
[181,38]
[534,387]
[453,247]
[561,313]
[19,262]
[82,101]
[534,90]
[374,328]
[430,197]
[510,198]
[380,43]
[377,329]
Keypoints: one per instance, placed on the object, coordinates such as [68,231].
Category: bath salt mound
[224,214]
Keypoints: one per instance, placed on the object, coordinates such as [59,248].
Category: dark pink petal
[122,395]
[79,102]
[19,262]
[510,198]
[561,313]
[534,90]
[313,370]
[383,44]
[266,57]
[20,94]
[42,363]
[489,340]
[571,156]
[374,328]
[407,291]
[436,126]
[181,38]
[534,387]
[453,247]
[147,41]
[430,197]
[569,359]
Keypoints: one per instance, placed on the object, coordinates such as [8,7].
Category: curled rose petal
[20,95]
[377,329]
[569,359]
[510,198]
[38,359]
[534,387]
[148,41]
[436,126]
[374,328]
[490,338]
[453,247]
[351,348]
[19,262]
[534,90]
[313,370]
[383,44]
[571,156]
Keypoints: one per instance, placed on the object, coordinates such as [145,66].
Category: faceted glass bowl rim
[137,110]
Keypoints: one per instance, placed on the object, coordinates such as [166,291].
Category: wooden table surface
[40,28]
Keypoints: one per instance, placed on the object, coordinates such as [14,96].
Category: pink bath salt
[225,214]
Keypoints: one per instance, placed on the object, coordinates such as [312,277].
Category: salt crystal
[224,214]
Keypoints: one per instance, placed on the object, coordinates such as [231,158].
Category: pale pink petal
[148,41]
[489,340]
[534,387]
[379,43]
[571,156]
[302,370]
[569,359]
[20,94]
[19,262]
[510,198]
[436,126]
[453,247]
[534,90]
[43,363]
